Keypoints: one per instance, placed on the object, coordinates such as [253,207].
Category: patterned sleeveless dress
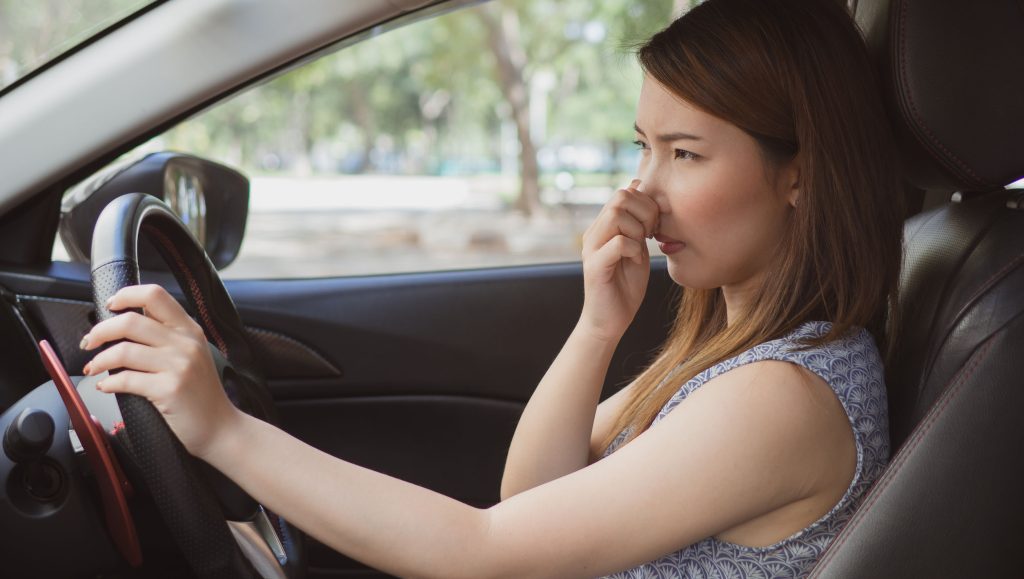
[852,366]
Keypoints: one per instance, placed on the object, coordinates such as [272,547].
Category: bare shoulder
[789,399]
[787,411]
[768,403]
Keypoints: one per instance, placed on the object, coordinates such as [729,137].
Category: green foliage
[421,99]
[600,83]
[424,98]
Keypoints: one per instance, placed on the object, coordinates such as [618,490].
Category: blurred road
[361,225]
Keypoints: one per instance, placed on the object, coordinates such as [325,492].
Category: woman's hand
[616,262]
[165,358]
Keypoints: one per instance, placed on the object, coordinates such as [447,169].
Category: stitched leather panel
[951,253]
[949,503]
[954,77]
[287,357]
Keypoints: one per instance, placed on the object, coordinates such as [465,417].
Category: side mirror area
[210,198]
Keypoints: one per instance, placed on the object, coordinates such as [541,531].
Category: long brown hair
[796,76]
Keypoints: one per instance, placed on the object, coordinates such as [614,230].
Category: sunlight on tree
[508,87]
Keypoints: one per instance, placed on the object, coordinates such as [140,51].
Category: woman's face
[723,209]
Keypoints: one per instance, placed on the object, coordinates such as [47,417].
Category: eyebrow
[669,137]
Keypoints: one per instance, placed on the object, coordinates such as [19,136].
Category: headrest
[953,72]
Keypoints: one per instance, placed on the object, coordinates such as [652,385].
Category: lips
[667,245]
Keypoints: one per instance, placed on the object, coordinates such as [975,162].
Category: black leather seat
[951,503]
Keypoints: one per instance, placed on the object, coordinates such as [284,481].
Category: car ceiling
[169,62]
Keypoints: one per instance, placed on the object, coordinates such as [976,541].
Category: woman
[767,179]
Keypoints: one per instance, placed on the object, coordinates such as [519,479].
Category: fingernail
[84,343]
[87,369]
[109,301]
[98,384]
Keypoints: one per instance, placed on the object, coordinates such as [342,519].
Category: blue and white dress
[852,367]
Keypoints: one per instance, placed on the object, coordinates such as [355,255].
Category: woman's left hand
[165,358]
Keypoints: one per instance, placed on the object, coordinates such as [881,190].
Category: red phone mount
[110,478]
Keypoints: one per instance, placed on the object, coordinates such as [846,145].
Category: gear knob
[29,435]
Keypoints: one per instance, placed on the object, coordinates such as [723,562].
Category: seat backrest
[950,502]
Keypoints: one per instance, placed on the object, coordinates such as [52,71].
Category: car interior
[423,376]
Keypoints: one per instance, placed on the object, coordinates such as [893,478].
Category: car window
[487,136]
[34,33]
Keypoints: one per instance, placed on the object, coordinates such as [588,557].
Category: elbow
[484,555]
[470,551]
[509,488]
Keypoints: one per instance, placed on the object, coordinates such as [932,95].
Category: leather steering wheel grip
[185,501]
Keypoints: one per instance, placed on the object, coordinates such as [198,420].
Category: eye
[640,144]
[686,155]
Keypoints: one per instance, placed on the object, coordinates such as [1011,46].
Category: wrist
[601,339]
[225,440]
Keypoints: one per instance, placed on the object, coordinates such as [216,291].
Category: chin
[689,277]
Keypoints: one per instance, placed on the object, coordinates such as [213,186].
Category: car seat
[951,502]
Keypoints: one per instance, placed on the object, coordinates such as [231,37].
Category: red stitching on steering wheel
[193,288]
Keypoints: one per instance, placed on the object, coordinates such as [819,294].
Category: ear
[790,182]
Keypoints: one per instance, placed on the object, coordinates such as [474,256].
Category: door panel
[482,333]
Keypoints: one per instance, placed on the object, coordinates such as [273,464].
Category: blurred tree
[506,44]
[599,79]
[566,41]
[445,95]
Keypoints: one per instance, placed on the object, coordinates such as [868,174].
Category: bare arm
[559,431]
[607,414]
[554,436]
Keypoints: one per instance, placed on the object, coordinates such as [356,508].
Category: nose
[651,185]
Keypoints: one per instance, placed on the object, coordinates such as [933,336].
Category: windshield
[34,33]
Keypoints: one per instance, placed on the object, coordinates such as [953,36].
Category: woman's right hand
[616,262]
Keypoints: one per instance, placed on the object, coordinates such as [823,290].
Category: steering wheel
[191,501]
